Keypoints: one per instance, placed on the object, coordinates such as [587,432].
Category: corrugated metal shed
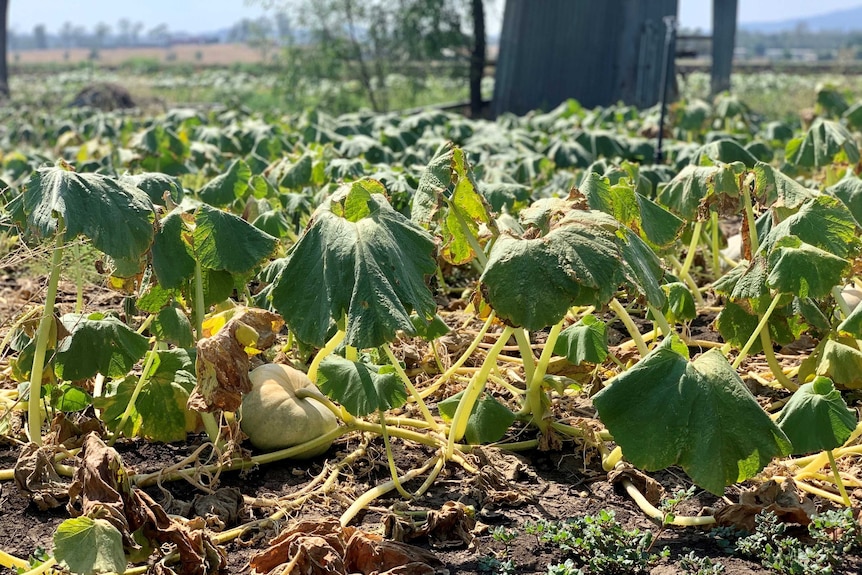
[596,51]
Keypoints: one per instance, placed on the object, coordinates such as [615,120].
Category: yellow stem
[658,515]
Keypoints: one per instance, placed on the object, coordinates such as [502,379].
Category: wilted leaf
[361,388]
[586,340]
[324,547]
[804,270]
[361,258]
[825,142]
[101,489]
[98,344]
[116,216]
[842,363]
[533,282]
[780,498]
[223,241]
[232,185]
[816,418]
[451,526]
[447,196]
[667,410]
[36,476]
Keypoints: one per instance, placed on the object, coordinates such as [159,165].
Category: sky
[197,16]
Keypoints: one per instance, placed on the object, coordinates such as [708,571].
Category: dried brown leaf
[451,526]
[324,547]
[648,486]
[370,554]
[225,504]
[36,477]
[222,363]
[780,498]
[70,433]
[101,489]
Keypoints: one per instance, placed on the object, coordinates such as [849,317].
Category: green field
[537,284]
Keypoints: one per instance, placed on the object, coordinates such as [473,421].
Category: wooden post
[4,66]
[477,59]
[723,40]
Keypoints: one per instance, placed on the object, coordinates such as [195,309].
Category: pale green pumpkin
[278,412]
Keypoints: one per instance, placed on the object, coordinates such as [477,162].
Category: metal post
[669,55]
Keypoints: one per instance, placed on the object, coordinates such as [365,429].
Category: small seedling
[693,564]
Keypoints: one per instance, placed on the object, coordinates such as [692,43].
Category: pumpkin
[277,413]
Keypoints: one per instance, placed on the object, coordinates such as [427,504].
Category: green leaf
[804,270]
[68,397]
[651,221]
[680,303]
[171,325]
[429,330]
[156,185]
[586,340]
[842,363]
[86,546]
[736,324]
[224,241]
[218,286]
[582,261]
[816,417]
[97,344]
[273,222]
[825,142]
[776,188]
[823,222]
[448,198]
[116,216]
[225,188]
[299,174]
[359,387]
[852,325]
[373,270]
[668,411]
[160,412]
[488,422]
[173,258]
[725,151]
[809,310]
[831,101]
[849,191]
[685,193]
[163,150]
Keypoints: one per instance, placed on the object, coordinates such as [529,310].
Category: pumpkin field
[408,343]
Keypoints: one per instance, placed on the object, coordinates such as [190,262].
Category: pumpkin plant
[567,257]
[117,217]
[816,418]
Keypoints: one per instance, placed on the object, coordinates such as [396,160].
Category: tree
[67,35]
[100,34]
[372,40]
[4,71]
[159,35]
[40,36]
[124,31]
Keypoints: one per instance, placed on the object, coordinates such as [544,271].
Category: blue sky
[207,15]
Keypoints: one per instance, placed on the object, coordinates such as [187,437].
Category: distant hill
[840,20]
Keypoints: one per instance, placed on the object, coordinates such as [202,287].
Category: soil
[510,491]
[550,486]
